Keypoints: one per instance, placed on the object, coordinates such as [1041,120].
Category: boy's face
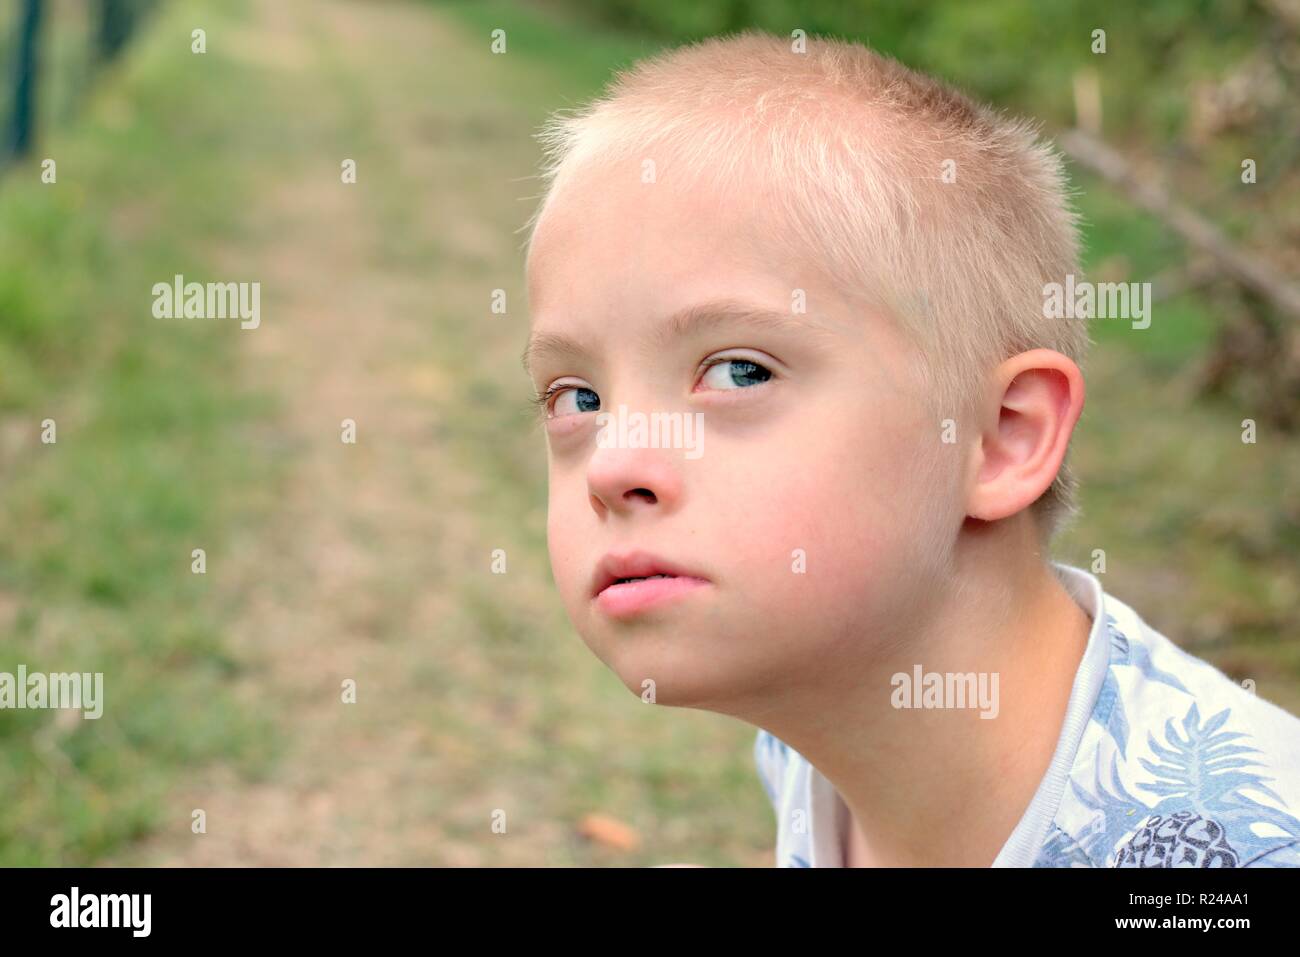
[815,458]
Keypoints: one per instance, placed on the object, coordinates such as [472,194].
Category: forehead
[612,254]
[640,221]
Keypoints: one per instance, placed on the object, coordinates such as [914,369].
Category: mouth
[626,584]
[630,568]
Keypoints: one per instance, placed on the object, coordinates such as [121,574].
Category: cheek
[821,538]
[564,532]
[831,522]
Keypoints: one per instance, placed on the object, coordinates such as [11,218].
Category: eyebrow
[686,322]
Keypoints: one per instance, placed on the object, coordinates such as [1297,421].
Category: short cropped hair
[948,215]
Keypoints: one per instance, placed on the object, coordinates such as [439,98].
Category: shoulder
[1177,689]
[1179,765]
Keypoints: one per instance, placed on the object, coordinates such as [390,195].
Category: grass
[570,56]
[1200,529]
[96,529]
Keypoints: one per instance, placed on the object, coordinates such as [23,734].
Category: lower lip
[631,598]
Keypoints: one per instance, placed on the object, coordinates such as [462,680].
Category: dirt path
[474,698]
[360,567]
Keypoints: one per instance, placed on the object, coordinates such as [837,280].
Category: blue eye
[584,400]
[730,374]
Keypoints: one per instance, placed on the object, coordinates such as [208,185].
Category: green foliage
[1018,54]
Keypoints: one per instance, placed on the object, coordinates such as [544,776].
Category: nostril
[645,493]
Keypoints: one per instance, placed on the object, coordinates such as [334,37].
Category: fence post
[23,118]
[114,27]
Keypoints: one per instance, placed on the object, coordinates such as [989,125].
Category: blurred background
[372,562]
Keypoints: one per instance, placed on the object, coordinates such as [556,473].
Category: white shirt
[1162,761]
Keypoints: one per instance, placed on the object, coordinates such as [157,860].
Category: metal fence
[50,51]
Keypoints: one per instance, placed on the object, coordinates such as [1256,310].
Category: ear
[1034,402]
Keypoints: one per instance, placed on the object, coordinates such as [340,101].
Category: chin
[689,667]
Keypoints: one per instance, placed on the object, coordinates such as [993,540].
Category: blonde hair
[949,216]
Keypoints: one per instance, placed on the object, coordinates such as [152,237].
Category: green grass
[1200,529]
[96,530]
[569,53]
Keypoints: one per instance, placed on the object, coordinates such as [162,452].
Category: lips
[629,586]
[616,569]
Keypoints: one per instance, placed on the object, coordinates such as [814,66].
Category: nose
[625,481]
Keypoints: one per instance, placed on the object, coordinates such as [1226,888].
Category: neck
[943,786]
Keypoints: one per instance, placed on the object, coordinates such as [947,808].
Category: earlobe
[1039,396]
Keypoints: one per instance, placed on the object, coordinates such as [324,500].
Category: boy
[840,265]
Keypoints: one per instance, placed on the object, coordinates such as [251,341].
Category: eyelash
[541,401]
